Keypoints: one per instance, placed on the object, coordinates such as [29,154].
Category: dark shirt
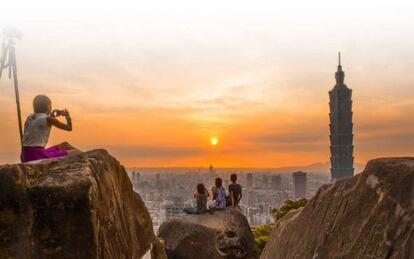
[236,189]
[201,203]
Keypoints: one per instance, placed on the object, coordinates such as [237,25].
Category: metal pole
[16,88]
[12,58]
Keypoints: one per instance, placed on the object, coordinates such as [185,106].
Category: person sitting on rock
[37,130]
[201,200]
[219,195]
[235,191]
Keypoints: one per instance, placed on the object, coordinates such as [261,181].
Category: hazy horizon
[153,82]
[315,168]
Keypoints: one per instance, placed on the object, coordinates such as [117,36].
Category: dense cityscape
[166,191]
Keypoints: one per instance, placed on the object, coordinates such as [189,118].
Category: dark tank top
[201,202]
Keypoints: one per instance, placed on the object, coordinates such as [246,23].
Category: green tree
[287,206]
[261,235]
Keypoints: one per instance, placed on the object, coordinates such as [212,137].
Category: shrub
[262,232]
[287,206]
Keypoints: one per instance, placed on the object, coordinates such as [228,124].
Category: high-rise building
[341,126]
[249,180]
[276,182]
[138,176]
[265,181]
[299,183]
[158,181]
[135,178]
[211,171]
[251,197]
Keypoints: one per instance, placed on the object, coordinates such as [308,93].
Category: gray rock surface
[226,234]
[79,206]
[370,215]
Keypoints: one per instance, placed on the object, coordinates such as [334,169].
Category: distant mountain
[320,168]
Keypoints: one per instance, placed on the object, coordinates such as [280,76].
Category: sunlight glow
[214,141]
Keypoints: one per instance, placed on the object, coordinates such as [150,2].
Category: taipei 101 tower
[341,126]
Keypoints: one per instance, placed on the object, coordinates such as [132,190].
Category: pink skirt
[37,153]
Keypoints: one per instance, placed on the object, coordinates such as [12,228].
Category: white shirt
[36,131]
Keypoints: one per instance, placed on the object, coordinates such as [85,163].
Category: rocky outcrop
[226,234]
[79,206]
[370,215]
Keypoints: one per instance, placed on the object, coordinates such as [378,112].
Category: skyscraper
[299,183]
[135,179]
[265,181]
[249,180]
[276,182]
[341,126]
[211,171]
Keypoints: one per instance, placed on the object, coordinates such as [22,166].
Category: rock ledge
[370,215]
[226,234]
[79,206]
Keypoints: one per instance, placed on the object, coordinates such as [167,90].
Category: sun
[214,141]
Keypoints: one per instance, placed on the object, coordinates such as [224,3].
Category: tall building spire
[339,75]
[341,127]
[339,59]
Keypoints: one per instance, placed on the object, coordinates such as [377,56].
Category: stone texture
[370,215]
[79,206]
[226,234]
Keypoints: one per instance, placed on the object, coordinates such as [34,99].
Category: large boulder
[226,234]
[79,207]
[370,215]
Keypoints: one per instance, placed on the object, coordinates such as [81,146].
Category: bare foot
[68,147]
[73,152]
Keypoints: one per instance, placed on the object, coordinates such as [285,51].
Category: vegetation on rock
[287,206]
[262,232]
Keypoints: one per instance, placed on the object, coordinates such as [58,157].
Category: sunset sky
[154,81]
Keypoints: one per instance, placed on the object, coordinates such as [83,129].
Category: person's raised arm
[196,195]
[213,191]
[52,121]
[206,193]
[240,196]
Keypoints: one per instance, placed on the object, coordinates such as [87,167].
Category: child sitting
[37,130]
[201,200]
[235,191]
[219,195]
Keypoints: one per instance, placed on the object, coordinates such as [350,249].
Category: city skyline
[159,90]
